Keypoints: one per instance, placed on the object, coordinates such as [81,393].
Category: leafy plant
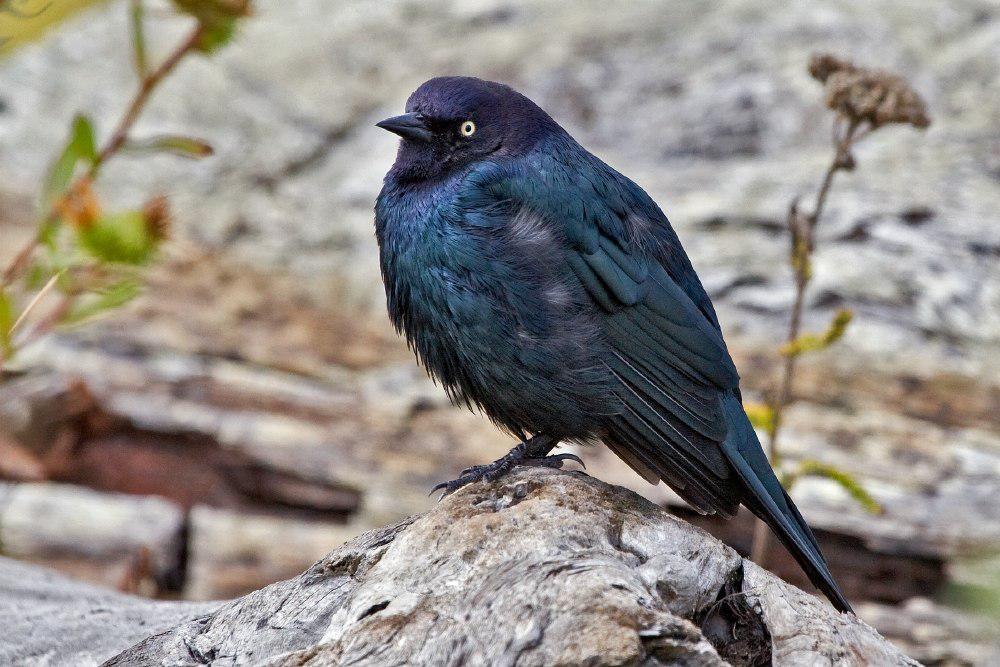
[90,260]
[22,21]
[863,100]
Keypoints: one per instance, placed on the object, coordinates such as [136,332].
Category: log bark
[542,567]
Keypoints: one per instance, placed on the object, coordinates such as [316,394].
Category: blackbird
[538,284]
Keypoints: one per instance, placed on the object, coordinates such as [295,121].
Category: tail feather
[766,498]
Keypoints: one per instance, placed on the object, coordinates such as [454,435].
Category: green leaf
[214,11]
[7,319]
[975,585]
[23,21]
[809,342]
[80,146]
[183,146]
[102,301]
[217,35]
[983,600]
[810,468]
[120,238]
[48,234]
[218,20]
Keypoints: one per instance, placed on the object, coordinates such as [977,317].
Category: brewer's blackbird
[540,285]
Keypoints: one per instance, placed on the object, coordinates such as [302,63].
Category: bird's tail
[766,498]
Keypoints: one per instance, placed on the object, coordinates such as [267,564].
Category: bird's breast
[489,314]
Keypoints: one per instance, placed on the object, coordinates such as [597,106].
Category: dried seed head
[79,206]
[868,95]
[156,212]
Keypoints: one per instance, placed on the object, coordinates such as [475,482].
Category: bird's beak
[409,126]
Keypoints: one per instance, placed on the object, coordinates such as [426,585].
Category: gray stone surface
[541,568]
[90,531]
[937,635]
[230,551]
[52,620]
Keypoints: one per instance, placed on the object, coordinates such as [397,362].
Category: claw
[554,461]
[573,457]
[492,471]
[468,476]
[452,486]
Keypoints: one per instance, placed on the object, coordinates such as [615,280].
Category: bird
[542,287]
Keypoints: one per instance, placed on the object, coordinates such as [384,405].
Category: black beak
[409,126]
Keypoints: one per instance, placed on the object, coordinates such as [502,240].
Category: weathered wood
[543,567]
[52,428]
[380,432]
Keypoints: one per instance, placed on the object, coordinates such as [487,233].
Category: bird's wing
[666,349]
[682,420]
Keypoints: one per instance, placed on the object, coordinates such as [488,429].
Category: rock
[935,634]
[19,464]
[231,553]
[121,540]
[50,619]
[541,567]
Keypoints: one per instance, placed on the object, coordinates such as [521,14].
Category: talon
[572,457]
[518,455]
[468,476]
[554,461]
[438,487]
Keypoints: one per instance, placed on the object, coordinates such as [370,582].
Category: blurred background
[252,408]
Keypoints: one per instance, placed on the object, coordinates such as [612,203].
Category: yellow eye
[468,128]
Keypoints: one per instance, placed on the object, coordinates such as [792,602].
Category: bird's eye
[468,128]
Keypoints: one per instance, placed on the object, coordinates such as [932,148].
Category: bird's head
[453,121]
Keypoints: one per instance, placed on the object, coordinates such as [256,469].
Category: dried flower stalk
[863,100]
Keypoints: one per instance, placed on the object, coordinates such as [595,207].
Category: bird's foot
[530,453]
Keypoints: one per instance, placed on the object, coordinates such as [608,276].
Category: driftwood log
[543,567]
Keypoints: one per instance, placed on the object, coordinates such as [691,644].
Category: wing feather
[668,357]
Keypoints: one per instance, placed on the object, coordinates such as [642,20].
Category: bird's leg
[532,452]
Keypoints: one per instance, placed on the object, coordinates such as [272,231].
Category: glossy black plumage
[539,284]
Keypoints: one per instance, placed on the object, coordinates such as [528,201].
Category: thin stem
[34,302]
[146,88]
[802,228]
[19,262]
[119,137]
[136,15]
[806,235]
